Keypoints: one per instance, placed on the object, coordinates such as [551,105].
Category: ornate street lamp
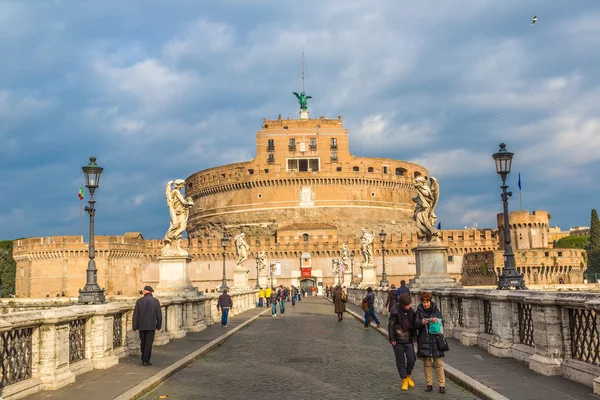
[384,282]
[224,244]
[352,283]
[509,276]
[91,293]
[272,270]
[257,286]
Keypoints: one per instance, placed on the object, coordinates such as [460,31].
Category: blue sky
[157,90]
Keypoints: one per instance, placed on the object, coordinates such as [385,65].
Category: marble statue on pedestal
[241,247]
[366,246]
[179,211]
[426,199]
[262,262]
[345,256]
[335,268]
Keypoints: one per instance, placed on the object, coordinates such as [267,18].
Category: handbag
[441,342]
[364,305]
[344,298]
[435,328]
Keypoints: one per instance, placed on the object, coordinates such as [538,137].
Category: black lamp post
[272,272]
[91,293]
[224,244]
[509,276]
[384,282]
[352,283]
[257,286]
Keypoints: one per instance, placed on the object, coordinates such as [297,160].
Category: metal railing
[525,324]
[487,317]
[76,340]
[15,356]
[118,330]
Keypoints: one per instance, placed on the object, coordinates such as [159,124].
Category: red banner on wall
[306,272]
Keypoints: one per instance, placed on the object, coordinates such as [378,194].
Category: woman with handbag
[429,314]
[338,300]
[401,327]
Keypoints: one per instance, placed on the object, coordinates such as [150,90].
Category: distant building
[579,231]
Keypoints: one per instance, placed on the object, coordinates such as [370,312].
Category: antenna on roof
[303,68]
[302,97]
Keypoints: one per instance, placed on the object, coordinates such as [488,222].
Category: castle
[299,200]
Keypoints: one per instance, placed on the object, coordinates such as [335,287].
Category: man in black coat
[147,318]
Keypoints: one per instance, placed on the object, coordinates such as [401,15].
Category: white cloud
[456,163]
[376,132]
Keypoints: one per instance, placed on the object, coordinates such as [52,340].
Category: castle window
[271,145]
[313,143]
[547,254]
[251,171]
[417,174]
[400,171]
[370,169]
[355,169]
[318,126]
[305,237]
[372,194]
[334,157]
[303,164]
[339,169]
[560,253]
[450,258]
[222,175]
[260,194]
[385,169]
[285,127]
[292,145]
[266,170]
[333,144]
[271,159]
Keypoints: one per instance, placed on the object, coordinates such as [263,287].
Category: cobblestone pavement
[305,353]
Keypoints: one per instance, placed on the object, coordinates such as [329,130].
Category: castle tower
[527,231]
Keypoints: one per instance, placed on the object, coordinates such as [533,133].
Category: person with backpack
[368,305]
[273,301]
[338,301]
[428,313]
[401,330]
[392,298]
[281,299]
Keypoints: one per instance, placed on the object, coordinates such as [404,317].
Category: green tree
[573,242]
[8,268]
[593,248]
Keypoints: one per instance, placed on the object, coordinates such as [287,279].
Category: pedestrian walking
[261,297]
[147,319]
[225,303]
[392,298]
[339,302]
[273,301]
[370,309]
[268,295]
[401,330]
[402,289]
[294,293]
[281,299]
[303,292]
[428,312]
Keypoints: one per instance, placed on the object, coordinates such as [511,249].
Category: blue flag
[439,225]
[520,180]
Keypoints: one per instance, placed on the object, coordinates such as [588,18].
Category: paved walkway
[111,383]
[305,354]
[506,376]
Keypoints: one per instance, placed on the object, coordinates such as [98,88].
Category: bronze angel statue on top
[302,97]
[426,199]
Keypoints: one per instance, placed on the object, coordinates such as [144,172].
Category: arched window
[400,171]
[355,169]
[370,169]
[417,174]
[305,237]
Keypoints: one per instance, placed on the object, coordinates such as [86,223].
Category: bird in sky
[534,20]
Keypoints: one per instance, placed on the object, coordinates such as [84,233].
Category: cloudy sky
[159,89]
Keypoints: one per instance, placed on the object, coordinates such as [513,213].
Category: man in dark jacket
[402,289]
[401,328]
[370,312]
[224,304]
[391,299]
[147,318]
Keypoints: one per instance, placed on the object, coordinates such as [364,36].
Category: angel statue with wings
[426,199]
[262,262]
[302,97]
[179,210]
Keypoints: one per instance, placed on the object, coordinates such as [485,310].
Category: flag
[520,180]
[439,225]
[80,193]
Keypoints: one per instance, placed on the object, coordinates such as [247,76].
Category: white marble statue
[426,199]
[335,267]
[273,267]
[241,248]
[345,255]
[262,262]
[179,210]
[366,247]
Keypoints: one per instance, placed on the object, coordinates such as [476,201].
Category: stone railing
[555,333]
[46,349]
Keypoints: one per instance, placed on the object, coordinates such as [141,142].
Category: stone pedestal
[369,275]
[174,275]
[240,279]
[432,266]
[303,114]
[347,278]
[263,281]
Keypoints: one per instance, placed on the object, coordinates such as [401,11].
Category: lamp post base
[511,278]
[91,294]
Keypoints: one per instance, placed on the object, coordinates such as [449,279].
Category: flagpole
[80,217]
[521,198]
